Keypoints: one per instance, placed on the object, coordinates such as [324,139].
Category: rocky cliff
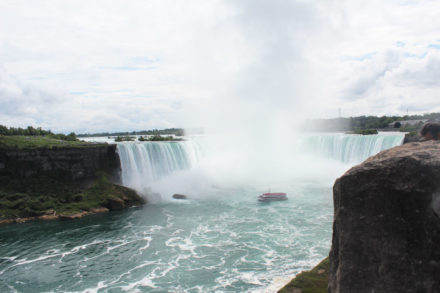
[72,164]
[61,182]
[386,231]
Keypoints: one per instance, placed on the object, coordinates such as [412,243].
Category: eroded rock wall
[386,231]
[71,164]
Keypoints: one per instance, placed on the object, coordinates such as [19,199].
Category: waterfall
[349,148]
[145,162]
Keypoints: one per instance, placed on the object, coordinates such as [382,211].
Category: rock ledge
[386,230]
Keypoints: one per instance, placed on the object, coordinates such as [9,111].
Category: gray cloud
[23,102]
[90,66]
[372,72]
[424,72]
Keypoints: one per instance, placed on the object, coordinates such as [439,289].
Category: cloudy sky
[89,66]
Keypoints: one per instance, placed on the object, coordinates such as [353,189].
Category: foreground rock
[386,230]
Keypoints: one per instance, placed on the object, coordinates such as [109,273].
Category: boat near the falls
[272,196]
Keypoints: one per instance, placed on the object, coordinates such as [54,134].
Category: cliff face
[386,231]
[61,182]
[69,164]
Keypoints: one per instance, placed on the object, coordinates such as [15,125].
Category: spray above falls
[168,167]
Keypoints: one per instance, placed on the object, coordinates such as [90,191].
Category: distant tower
[339,112]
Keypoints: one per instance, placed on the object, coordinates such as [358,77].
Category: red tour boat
[272,196]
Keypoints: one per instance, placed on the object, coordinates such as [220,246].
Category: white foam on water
[100,285]
[147,245]
[12,289]
[276,285]
[12,258]
[133,287]
[249,278]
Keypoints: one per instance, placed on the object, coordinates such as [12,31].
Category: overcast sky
[89,66]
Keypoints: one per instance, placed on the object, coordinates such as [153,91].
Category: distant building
[403,123]
[418,122]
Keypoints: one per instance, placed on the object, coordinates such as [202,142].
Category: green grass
[160,138]
[43,195]
[314,281]
[125,138]
[366,131]
[23,142]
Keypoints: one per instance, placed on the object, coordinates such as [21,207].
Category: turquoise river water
[220,240]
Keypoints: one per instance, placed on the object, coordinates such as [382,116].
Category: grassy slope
[21,142]
[41,195]
[314,281]
[39,199]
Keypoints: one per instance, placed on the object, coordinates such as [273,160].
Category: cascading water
[349,149]
[145,162]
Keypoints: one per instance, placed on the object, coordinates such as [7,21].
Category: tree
[4,130]
[31,131]
[71,136]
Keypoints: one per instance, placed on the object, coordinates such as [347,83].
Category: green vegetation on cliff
[366,131]
[159,138]
[21,142]
[48,178]
[314,281]
[124,138]
[30,137]
[39,196]
[31,131]
[168,131]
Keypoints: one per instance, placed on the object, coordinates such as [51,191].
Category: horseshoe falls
[144,163]
[221,239]
[349,149]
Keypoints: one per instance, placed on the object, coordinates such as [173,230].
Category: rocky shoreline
[108,204]
[313,281]
[55,216]
[61,183]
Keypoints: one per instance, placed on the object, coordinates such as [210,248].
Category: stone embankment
[73,164]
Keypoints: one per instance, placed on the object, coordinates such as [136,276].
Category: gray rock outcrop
[71,164]
[66,182]
[386,231]
[179,196]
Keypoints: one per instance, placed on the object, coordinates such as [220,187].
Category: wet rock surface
[386,231]
[73,164]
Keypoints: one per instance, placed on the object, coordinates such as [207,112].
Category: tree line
[367,122]
[31,131]
[168,131]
